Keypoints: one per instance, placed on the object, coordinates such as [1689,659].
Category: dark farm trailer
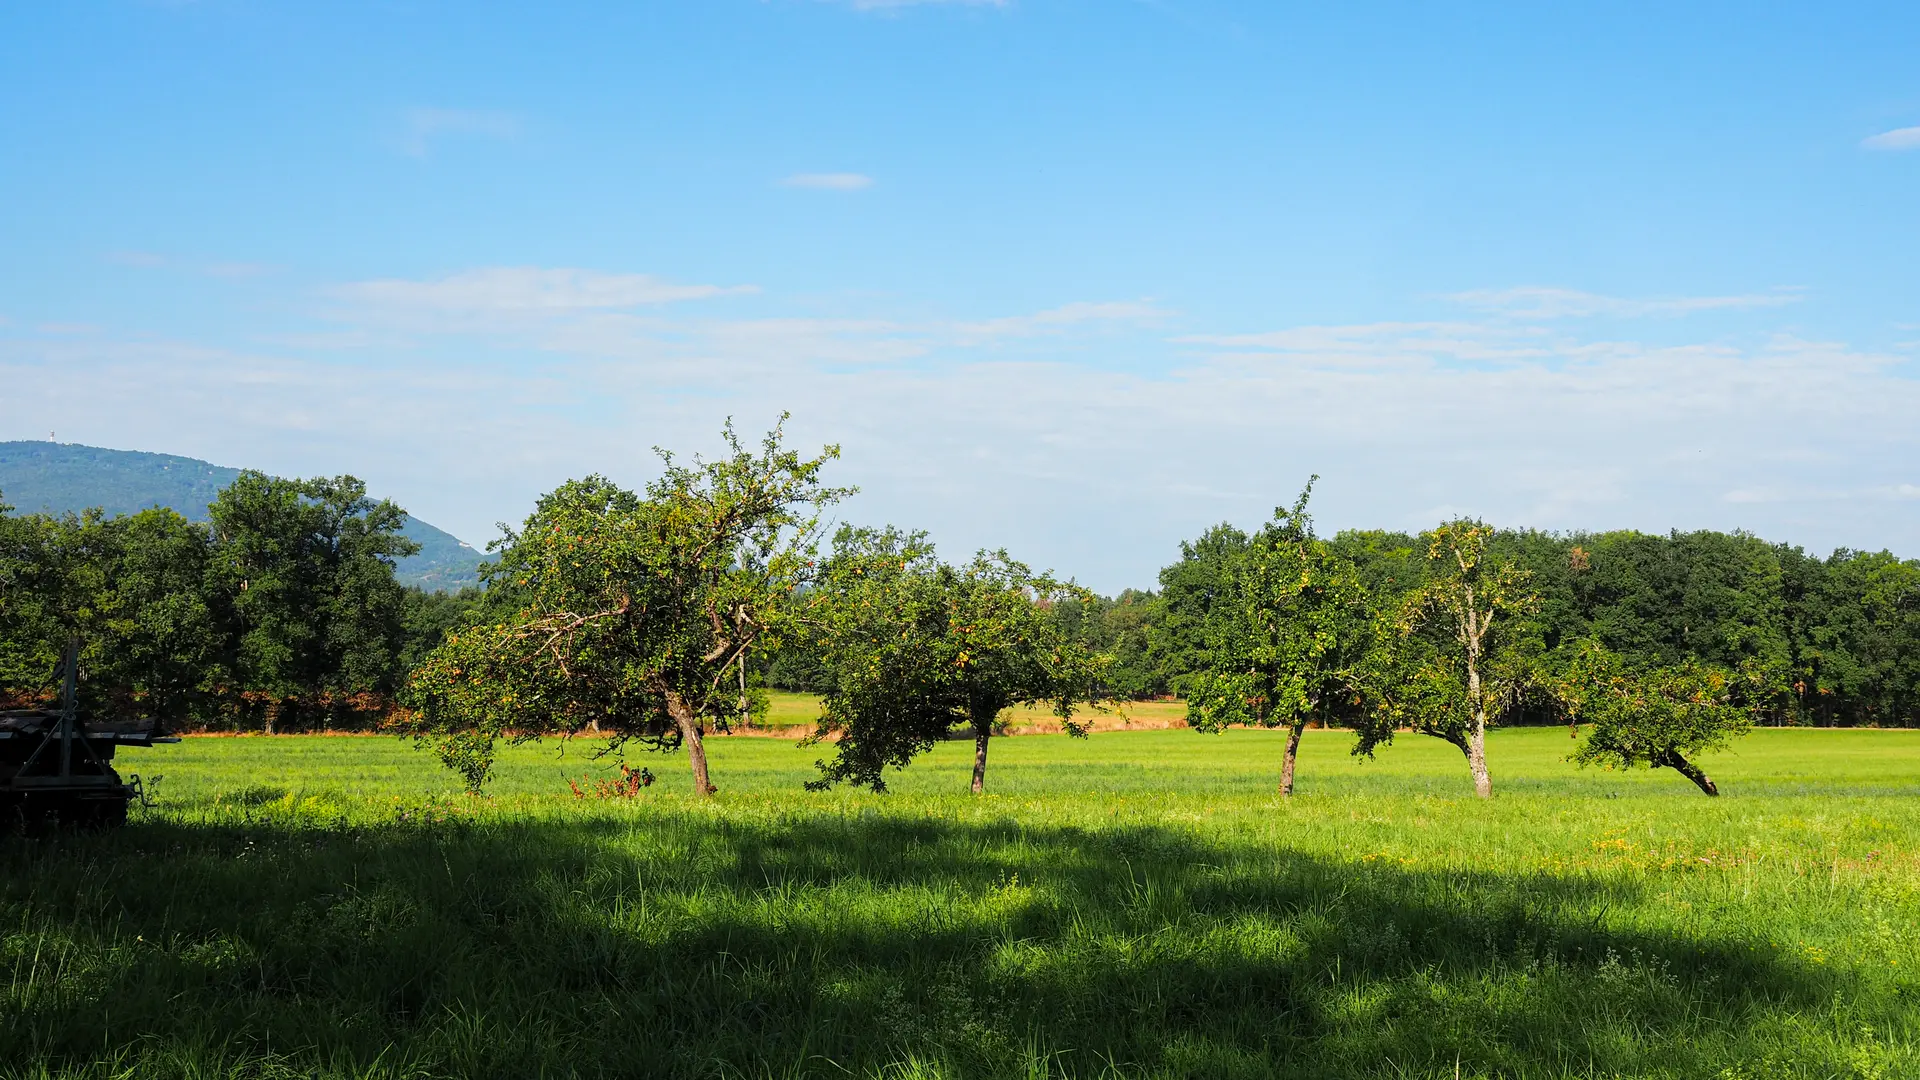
[57,766]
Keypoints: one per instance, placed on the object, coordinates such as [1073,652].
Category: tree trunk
[692,736]
[1476,700]
[746,715]
[1476,744]
[273,709]
[1293,751]
[1672,760]
[1477,759]
[981,733]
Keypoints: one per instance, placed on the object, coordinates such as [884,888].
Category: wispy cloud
[518,289]
[1543,302]
[1600,434]
[1906,138]
[1392,344]
[1754,495]
[835,181]
[423,125]
[618,317]
[467,395]
[1054,320]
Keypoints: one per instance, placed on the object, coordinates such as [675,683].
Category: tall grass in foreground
[1137,905]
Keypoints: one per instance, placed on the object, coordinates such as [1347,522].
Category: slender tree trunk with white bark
[1473,635]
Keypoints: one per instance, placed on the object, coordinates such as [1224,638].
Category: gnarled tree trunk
[1477,758]
[1671,759]
[1293,752]
[982,731]
[693,737]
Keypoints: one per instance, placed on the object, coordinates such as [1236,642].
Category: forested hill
[59,477]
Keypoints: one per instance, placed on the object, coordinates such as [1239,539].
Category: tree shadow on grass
[691,942]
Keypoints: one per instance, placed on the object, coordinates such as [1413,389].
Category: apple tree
[914,648]
[627,612]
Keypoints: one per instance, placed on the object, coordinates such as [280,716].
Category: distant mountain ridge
[52,477]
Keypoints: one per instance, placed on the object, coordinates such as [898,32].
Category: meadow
[1136,904]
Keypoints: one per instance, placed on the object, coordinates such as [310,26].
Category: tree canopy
[1286,638]
[626,611]
[913,647]
[285,605]
[1464,653]
[1660,716]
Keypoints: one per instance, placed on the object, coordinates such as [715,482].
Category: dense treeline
[1837,639]
[282,613]
[279,613]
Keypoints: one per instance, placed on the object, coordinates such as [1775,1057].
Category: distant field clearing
[790,711]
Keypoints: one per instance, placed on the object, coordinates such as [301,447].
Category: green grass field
[1138,904]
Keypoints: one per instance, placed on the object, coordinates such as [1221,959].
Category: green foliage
[880,621]
[132,589]
[28,605]
[288,619]
[1854,623]
[428,617]
[914,648]
[1660,716]
[1287,636]
[156,639]
[1190,591]
[305,570]
[285,604]
[1121,627]
[1465,651]
[628,613]
[470,754]
[67,478]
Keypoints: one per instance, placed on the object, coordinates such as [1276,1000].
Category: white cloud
[1060,318]
[1754,495]
[838,181]
[979,431]
[589,314]
[423,125]
[1541,302]
[694,349]
[1392,344]
[1906,138]
[526,289]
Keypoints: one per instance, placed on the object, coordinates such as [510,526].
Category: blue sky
[1076,278]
